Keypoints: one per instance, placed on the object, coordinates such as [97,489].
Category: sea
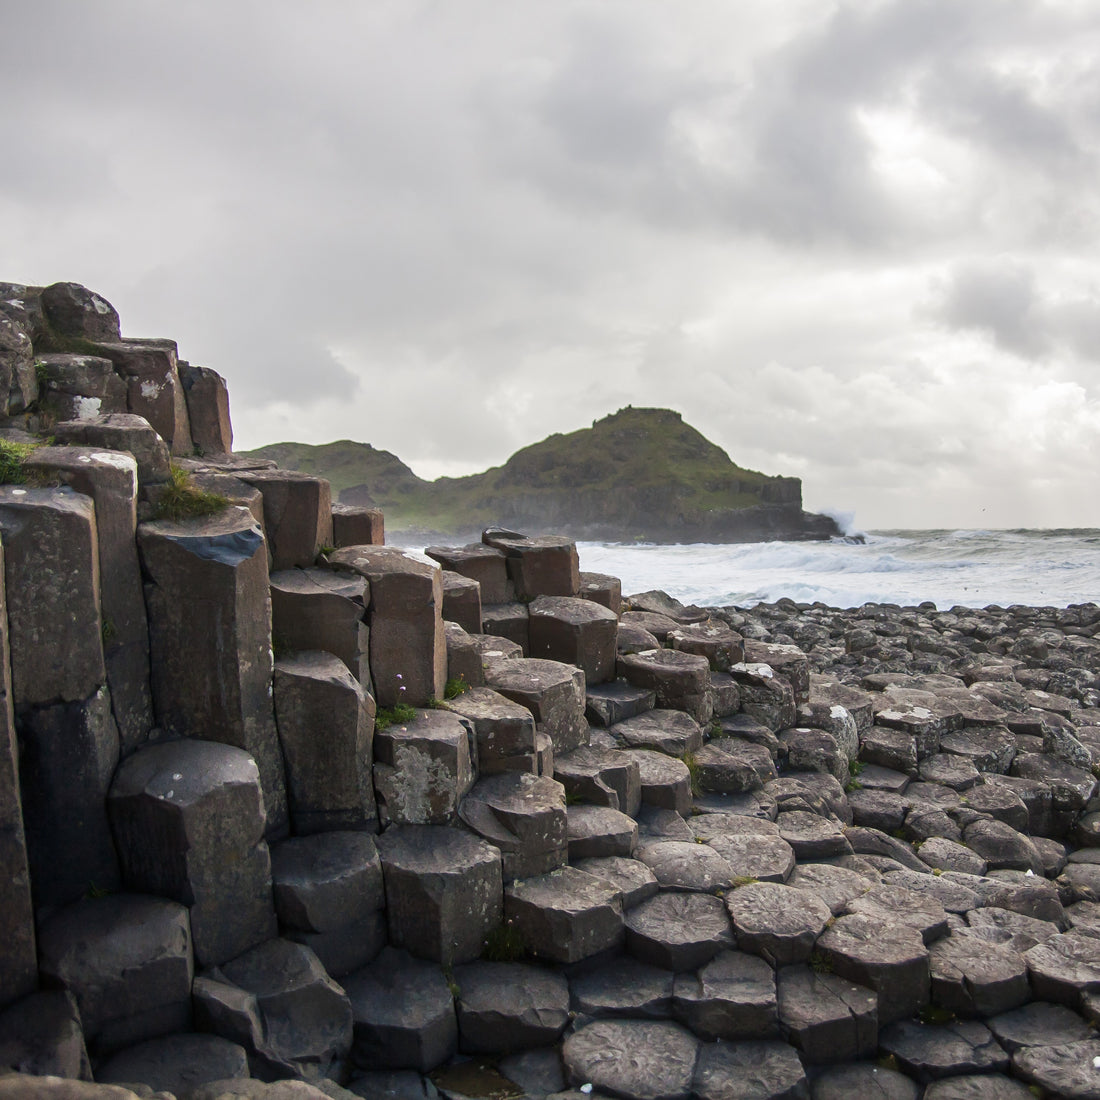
[1052,568]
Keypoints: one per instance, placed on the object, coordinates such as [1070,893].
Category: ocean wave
[966,568]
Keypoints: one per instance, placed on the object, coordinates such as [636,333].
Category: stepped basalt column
[210,630]
[68,741]
[110,479]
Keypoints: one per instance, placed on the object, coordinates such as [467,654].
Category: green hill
[636,474]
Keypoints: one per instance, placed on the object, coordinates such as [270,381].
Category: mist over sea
[966,568]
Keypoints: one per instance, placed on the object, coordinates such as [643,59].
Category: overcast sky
[853,242]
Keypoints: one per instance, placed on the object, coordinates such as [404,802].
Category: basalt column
[210,636]
[110,479]
[68,741]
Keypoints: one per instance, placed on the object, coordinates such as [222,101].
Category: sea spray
[966,568]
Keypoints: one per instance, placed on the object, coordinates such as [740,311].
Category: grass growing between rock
[181,499]
[504,944]
[12,457]
[393,716]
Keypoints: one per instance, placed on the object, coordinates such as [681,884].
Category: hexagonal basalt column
[297,514]
[76,387]
[320,609]
[127,959]
[329,896]
[356,526]
[408,645]
[566,915]
[506,738]
[423,768]
[443,891]
[524,816]
[207,408]
[18,967]
[681,680]
[553,692]
[326,728]
[543,566]
[51,569]
[277,1001]
[210,630]
[188,818]
[68,754]
[121,432]
[110,479]
[153,389]
[484,564]
[576,632]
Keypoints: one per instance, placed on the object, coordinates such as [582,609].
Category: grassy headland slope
[636,474]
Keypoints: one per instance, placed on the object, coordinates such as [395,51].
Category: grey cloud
[1003,299]
[996,297]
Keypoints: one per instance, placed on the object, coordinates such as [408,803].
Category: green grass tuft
[394,716]
[12,457]
[181,499]
[695,771]
[455,687]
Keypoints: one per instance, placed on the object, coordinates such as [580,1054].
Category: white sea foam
[967,568]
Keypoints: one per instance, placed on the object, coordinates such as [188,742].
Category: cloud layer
[853,242]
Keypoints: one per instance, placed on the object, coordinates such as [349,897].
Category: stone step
[423,768]
[403,1012]
[188,818]
[603,777]
[606,704]
[509,1006]
[127,960]
[524,816]
[566,915]
[443,891]
[575,632]
[600,831]
[553,692]
[277,1002]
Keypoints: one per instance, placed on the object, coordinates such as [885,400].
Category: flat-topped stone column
[408,645]
[207,398]
[553,692]
[110,478]
[484,564]
[576,632]
[153,389]
[121,432]
[681,680]
[18,965]
[505,731]
[444,892]
[330,897]
[76,387]
[326,728]
[524,816]
[210,631]
[188,818]
[68,740]
[127,960]
[353,525]
[318,609]
[546,565]
[297,514]
[462,601]
[51,569]
[423,768]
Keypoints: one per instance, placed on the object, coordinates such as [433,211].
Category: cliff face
[638,474]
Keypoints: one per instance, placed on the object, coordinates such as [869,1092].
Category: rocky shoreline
[289,812]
